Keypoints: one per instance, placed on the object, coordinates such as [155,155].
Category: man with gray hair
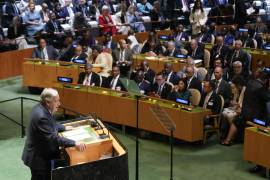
[172,51]
[238,54]
[43,142]
[88,77]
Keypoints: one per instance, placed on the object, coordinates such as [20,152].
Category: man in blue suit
[43,142]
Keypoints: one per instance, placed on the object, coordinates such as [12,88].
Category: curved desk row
[110,105]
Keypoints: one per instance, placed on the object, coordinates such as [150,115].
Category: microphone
[98,126]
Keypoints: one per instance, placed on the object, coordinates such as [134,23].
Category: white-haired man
[43,142]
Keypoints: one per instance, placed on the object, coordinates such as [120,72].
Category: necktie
[112,84]
[55,26]
[42,55]
[16,12]
[159,90]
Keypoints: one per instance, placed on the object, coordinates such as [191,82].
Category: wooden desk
[11,62]
[257,147]
[36,74]
[157,63]
[112,107]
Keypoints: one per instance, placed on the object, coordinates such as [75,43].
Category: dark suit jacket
[183,37]
[243,57]
[150,75]
[42,143]
[107,83]
[50,27]
[145,86]
[255,99]
[195,84]
[174,79]
[216,53]
[127,55]
[52,53]
[95,78]
[168,53]
[112,46]
[214,103]
[206,37]
[166,90]
[199,53]
[225,91]
[81,8]
[83,56]
[64,12]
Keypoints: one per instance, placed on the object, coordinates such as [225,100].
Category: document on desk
[79,134]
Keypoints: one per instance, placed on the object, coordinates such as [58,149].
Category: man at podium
[43,142]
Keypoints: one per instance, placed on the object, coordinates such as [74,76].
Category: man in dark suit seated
[237,70]
[83,8]
[144,85]
[113,82]
[222,87]
[192,81]
[161,89]
[205,36]
[53,26]
[219,51]
[238,54]
[55,31]
[43,142]
[210,100]
[88,77]
[44,52]
[171,77]
[149,74]
[196,51]
[211,75]
[122,57]
[171,51]
[180,35]
[108,42]
[79,54]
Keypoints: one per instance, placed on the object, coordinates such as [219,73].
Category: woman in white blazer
[197,18]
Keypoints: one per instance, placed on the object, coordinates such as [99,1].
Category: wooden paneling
[257,147]
[11,62]
[122,110]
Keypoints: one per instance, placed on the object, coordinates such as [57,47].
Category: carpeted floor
[201,162]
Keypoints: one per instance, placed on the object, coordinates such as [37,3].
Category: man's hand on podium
[80,146]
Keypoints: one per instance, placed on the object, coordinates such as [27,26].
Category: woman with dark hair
[230,115]
[180,91]
[197,17]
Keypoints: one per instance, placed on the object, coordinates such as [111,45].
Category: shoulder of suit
[147,82]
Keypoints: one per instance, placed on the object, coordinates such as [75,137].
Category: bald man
[122,57]
[221,86]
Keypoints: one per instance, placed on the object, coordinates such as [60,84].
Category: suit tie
[55,26]
[42,55]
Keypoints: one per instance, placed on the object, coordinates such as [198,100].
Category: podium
[104,158]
